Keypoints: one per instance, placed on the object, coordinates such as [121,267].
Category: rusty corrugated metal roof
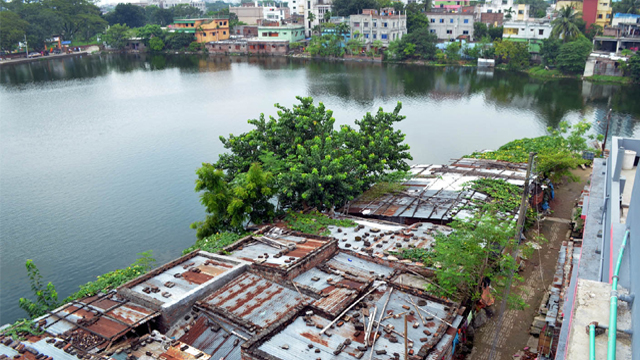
[255,300]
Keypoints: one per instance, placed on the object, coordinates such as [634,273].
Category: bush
[514,54]
[633,67]
[573,55]
[215,243]
[195,46]
[314,222]
[178,41]
[156,44]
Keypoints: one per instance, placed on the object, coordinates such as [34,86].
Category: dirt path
[538,275]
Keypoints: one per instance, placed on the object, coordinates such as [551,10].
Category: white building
[529,30]
[318,8]
[275,13]
[451,26]
[168,4]
[519,11]
[386,26]
[296,7]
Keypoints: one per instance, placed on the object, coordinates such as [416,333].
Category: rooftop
[302,338]
[437,193]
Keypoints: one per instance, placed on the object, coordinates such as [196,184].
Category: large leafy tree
[626,6]
[117,36]
[76,16]
[416,19]
[550,50]
[419,44]
[573,55]
[565,26]
[633,67]
[311,163]
[351,7]
[185,11]
[12,30]
[158,16]
[127,14]
[514,54]
[480,30]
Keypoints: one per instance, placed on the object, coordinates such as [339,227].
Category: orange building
[204,29]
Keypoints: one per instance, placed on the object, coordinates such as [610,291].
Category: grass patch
[415,254]
[609,79]
[541,72]
[215,243]
[380,189]
[314,223]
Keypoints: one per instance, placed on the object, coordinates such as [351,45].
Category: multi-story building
[204,29]
[532,32]
[452,5]
[248,13]
[596,12]
[386,25]
[291,33]
[450,26]
[168,4]
[274,13]
[317,8]
[510,9]
[575,5]
[295,6]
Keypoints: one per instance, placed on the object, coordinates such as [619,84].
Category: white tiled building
[387,26]
[449,26]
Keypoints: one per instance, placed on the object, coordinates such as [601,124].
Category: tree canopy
[573,55]
[300,160]
[565,26]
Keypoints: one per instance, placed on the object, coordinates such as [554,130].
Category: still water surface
[98,154]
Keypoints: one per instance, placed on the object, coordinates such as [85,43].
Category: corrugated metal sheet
[337,300]
[305,279]
[219,344]
[7,351]
[299,335]
[186,282]
[256,300]
[435,193]
[353,266]
[49,349]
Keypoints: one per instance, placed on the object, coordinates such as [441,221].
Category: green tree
[158,16]
[633,67]
[311,16]
[565,26]
[178,40]
[508,14]
[149,31]
[185,11]
[480,30]
[416,19]
[12,30]
[46,296]
[496,32]
[573,55]
[356,44]
[231,205]
[156,44]
[550,50]
[127,14]
[117,36]
[537,8]
[419,44]
[452,52]
[352,7]
[593,31]
[514,54]
[626,6]
[313,164]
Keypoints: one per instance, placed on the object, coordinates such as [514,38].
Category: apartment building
[450,26]
[596,12]
[318,9]
[385,25]
[510,9]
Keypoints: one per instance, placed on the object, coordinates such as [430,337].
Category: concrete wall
[247,14]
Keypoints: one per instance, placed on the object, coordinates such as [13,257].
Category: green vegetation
[514,54]
[633,67]
[215,243]
[326,46]
[299,159]
[420,44]
[46,297]
[20,328]
[541,72]
[565,26]
[117,36]
[505,197]
[313,222]
[556,154]
[609,79]
[573,55]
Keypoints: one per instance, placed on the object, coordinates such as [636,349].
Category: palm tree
[509,13]
[564,26]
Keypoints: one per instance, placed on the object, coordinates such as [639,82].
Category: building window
[504,2]
[441,21]
[385,24]
[449,31]
[541,32]
[433,21]
[489,11]
[466,21]
[375,36]
[356,24]
[366,36]
[465,32]
[432,31]
[450,21]
[365,24]
[599,16]
[224,33]
[520,12]
[265,34]
[383,36]
[608,16]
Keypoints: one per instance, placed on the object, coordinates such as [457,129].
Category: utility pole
[521,217]
[26,46]
[406,337]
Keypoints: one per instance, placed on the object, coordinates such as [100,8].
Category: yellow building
[204,29]
[576,5]
[603,13]
[522,12]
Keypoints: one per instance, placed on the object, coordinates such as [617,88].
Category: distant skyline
[116,2]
